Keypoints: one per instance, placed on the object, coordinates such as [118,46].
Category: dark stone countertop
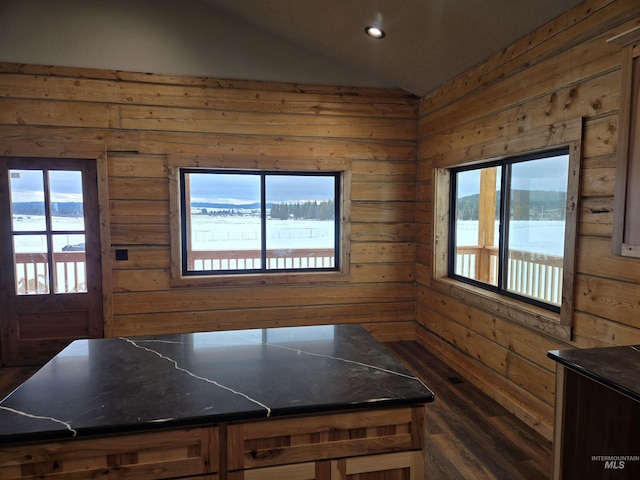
[616,367]
[125,385]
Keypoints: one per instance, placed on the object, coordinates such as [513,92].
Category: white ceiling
[298,41]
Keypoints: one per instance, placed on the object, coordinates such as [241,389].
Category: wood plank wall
[142,119]
[560,73]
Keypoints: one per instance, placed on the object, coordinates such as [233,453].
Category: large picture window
[507,226]
[243,222]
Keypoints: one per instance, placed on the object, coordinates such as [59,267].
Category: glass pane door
[48,230]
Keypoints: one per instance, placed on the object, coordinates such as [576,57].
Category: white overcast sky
[547,174]
[66,186]
[239,189]
[28,186]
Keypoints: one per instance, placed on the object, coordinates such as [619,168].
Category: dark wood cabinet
[597,426]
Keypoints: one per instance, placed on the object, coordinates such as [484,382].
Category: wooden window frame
[558,325]
[178,279]
[626,222]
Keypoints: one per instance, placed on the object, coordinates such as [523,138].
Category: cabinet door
[162,455]
[307,439]
[391,466]
[299,471]
[596,430]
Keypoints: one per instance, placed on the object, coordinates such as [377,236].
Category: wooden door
[50,274]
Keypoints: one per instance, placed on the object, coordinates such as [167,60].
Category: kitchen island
[322,402]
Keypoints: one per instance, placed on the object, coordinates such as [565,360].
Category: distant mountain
[227,206]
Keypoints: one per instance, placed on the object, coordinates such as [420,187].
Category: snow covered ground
[243,233]
[37,242]
[539,236]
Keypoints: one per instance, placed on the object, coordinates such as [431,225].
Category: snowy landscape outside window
[507,226]
[48,231]
[241,222]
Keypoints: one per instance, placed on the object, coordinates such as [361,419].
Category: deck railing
[531,274]
[32,273]
[32,269]
[534,275]
[299,258]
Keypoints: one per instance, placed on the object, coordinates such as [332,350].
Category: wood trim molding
[105,244]
[627,37]
[558,431]
[557,326]
[175,162]
[522,313]
[626,227]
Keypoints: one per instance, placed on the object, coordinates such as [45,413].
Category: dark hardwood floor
[469,436]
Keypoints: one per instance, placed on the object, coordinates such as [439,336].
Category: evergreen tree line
[226,212]
[525,205]
[58,209]
[313,210]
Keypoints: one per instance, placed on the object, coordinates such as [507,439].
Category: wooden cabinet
[390,466]
[597,414]
[385,444]
[393,466]
[157,455]
[165,417]
[337,446]
[300,471]
[303,439]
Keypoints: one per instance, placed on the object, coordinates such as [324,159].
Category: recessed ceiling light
[374,32]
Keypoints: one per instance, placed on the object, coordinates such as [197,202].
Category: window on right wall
[507,226]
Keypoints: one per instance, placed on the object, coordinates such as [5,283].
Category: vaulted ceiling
[427,42]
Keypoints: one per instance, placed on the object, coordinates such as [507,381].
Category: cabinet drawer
[300,471]
[155,455]
[387,466]
[306,439]
[390,466]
